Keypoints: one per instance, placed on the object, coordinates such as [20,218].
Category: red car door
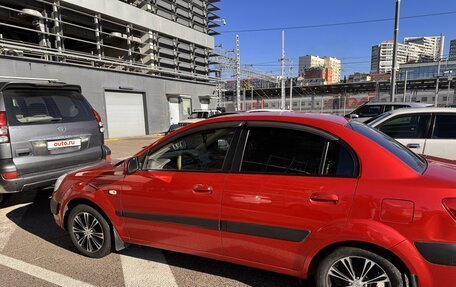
[174,201]
[290,181]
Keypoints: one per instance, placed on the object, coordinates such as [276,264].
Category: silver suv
[46,130]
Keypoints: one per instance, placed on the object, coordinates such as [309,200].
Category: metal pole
[251,98]
[405,86]
[282,104]
[394,68]
[238,75]
[322,103]
[437,83]
[291,94]
[450,79]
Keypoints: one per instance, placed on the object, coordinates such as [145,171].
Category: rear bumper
[438,253]
[37,180]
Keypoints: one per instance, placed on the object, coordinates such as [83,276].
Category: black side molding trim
[266,231]
[438,253]
[274,232]
[181,220]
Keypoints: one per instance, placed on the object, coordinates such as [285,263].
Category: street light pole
[396,35]
[439,64]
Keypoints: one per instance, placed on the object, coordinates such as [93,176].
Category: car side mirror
[132,165]
[354,116]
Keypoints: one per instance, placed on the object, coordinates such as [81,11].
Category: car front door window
[203,151]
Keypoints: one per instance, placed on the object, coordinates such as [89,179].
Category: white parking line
[144,266]
[7,226]
[41,273]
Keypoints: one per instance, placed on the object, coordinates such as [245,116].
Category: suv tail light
[4,134]
[10,175]
[100,123]
[450,205]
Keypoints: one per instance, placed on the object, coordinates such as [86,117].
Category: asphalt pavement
[35,252]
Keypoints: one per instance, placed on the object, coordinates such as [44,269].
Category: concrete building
[414,49]
[452,56]
[316,62]
[430,46]
[142,64]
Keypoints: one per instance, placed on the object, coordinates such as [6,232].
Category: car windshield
[413,160]
[371,122]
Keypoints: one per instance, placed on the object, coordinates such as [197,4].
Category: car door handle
[202,188]
[23,152]
[414,145]
[324,198]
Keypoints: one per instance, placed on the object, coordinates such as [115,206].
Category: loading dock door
[125,114]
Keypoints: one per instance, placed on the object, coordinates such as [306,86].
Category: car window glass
[413,160]
[406,126]
[369,111]
[445,127]
[285,151]
[203,151]
[388,108]
[25,107]
[397,107]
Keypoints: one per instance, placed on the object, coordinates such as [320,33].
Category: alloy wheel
[356,271]
[88,232]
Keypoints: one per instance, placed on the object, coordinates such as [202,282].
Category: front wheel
[89,231]
[356,267]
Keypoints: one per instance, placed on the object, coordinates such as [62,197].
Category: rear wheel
[356,267]
[89,231]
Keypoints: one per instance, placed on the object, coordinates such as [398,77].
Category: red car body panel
[389,205]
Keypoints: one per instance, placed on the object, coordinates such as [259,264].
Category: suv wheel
[356,267]
[89,231]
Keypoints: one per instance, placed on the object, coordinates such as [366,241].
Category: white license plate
[63,144]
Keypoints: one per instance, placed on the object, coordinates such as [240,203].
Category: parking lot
[35,252]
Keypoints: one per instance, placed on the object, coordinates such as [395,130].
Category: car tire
[89,231]
[332,271]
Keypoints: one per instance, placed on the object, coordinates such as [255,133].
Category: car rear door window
[287,151]
[406,126]
[202,151]
[31,107]
[370,111]
[445,127]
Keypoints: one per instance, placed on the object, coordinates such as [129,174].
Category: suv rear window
[407,156]
[31,107]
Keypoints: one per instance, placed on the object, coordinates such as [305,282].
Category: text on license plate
[64,143]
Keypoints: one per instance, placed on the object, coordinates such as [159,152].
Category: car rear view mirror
[132,165]
[354,116]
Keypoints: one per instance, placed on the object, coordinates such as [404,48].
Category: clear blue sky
[351,43]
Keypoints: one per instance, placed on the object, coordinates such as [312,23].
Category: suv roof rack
[31,79]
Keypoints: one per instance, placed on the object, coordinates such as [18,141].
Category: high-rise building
[414,49]
[316,62]
[452,56]
[430,46]
[141,60]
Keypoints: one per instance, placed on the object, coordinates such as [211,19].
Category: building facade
[359,78]
[452,56]
[419,71]
[133,59]
[316,62]
[414,49]
[430,47]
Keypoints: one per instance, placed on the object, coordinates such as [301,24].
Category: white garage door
[125,114]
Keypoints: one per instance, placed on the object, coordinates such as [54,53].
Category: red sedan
[305,195]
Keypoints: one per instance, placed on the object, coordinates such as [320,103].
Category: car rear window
[32,107]
[413,160]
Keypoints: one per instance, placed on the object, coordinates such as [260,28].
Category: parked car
[195,116]
[430,131]
[46,130]
[370,110]
[301,194]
